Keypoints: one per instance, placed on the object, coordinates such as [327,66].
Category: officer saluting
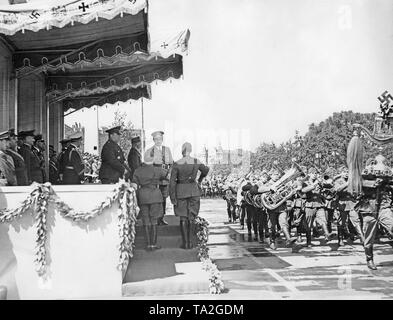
[72,163]
[162,157]
[113,165]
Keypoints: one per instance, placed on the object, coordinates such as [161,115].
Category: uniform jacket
[183,178]
[147,178]
[314,198]
[33,164]
[112,162]
[7,169]
[134,160]
[73,166]
[346,201]
[162,157]
[40,155]
[53,170]
[20,167]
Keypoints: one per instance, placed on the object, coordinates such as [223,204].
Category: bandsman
[314,206]
[278,216]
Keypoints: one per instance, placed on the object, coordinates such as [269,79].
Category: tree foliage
[120,119]
[329,139]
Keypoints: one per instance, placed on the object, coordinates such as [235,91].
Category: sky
[258,70]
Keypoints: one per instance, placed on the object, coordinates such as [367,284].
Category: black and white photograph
[203,151]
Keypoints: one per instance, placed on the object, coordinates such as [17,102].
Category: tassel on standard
[355,164]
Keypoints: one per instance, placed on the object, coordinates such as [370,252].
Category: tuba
[284,189]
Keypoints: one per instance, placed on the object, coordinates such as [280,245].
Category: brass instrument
[284,189]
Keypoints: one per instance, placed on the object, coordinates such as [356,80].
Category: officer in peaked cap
[113,164]
[73,164]
[39,149]
[34,171]
[7,168]
[60,158]
[19,162]
[162,158]
[134,156]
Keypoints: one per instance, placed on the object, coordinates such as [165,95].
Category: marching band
[308,202]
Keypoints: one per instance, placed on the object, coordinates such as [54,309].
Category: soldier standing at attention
[113,165]
[73,165]
[147,178]
[19,162]
[34,172]
[7,168]
[134,157]
[53,166]
[39,150]
[60,158]
[185,191]
[162,158]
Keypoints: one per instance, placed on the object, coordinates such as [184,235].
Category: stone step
[168,271]
[186,278]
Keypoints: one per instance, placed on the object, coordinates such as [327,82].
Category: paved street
[253,271]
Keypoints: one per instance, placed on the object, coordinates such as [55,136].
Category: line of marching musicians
[317,201]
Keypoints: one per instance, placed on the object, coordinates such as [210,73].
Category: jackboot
[328,235]
[147,238]
[359,231]
[183,232]
[371,265]
[308,238]
[189,244]
[340,234]
[153,234]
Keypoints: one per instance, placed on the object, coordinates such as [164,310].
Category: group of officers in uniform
[317,201]
[155,177]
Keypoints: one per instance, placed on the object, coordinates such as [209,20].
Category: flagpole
[143,127]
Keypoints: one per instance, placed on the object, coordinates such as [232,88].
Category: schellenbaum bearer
[345,209]
[185,191]
[146,180]
[162,158]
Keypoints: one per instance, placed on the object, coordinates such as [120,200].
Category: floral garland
[43,194]
[216,285]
